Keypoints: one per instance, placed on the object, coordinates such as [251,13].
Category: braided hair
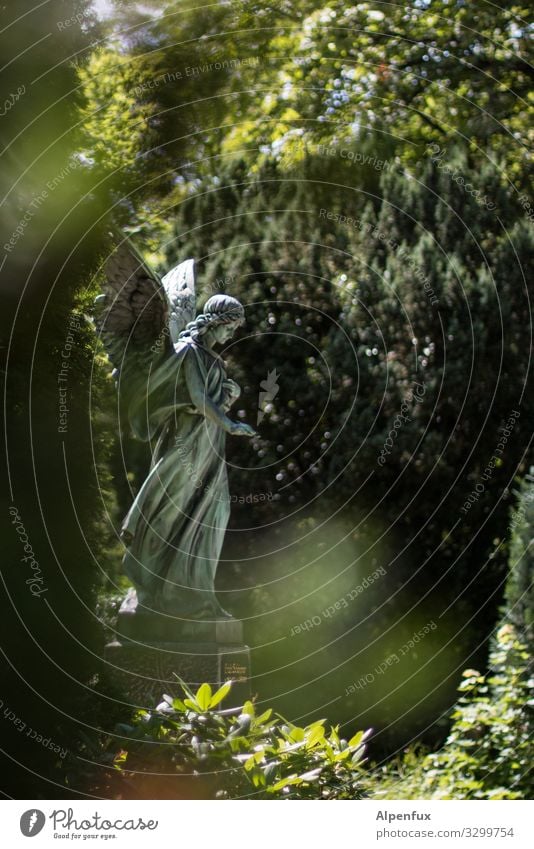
[219,309]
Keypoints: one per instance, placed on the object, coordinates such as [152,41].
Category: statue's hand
[242,429]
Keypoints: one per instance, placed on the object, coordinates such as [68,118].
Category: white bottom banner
[267,824]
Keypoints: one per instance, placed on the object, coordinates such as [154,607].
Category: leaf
[258,779]
[192,705]
[248,707]
[203,696]
[263,717]
[220,694]
[284,746]
[334,734]
[358,755]
[184,687]
[285,782]
[315,736]
[354,741]
[312,775]
[178,704]
[297,734]
[240,728]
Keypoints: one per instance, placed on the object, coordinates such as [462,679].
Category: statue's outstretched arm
[206,406]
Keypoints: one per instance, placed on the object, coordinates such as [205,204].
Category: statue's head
[220,311]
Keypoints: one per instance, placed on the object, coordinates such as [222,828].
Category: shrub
[488,754]
[205,752]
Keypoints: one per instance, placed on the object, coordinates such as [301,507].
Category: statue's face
[223,332]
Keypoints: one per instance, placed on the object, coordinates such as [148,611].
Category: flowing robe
[175,528]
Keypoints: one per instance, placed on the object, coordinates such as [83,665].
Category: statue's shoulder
[192,347]
[185,346]
[190,350]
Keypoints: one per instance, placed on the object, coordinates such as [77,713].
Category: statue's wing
[131,316]
[179,285]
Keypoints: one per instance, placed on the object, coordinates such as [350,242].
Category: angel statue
[175,393]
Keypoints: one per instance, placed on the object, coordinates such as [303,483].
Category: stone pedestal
[151,649]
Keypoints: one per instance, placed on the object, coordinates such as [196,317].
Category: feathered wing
[179,285]
[131,317]
[139,317]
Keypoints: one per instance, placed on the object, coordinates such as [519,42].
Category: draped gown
[175,528]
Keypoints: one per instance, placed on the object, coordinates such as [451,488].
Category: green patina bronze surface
[175,529]
[176,395]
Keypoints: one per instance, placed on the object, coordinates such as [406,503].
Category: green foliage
[387,79]
[432,71]
[490,748]
[488,754]
[519,594]
[232,755]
